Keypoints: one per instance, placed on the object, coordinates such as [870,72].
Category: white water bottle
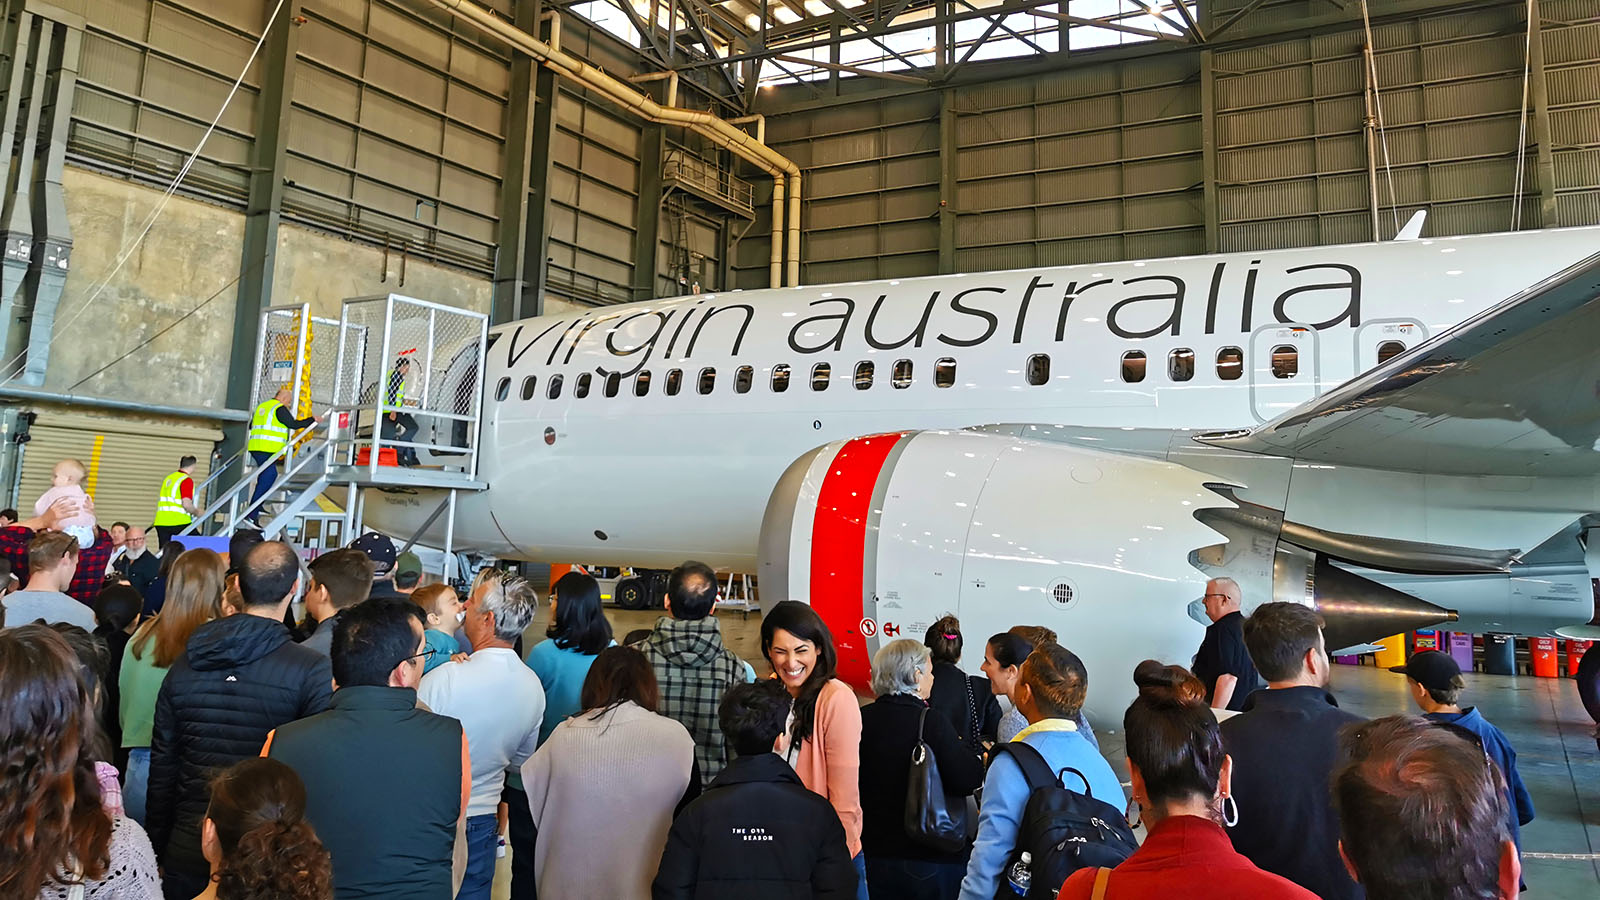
[1021,874]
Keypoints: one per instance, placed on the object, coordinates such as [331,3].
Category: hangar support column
[536,234]
[259,259]
[511,259]
[1538,93]
[947,181]
[647,224]
[522,235]
[1209,202]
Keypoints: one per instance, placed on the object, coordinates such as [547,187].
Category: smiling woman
[825,723]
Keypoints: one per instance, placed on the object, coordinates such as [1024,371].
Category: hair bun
[1167,684]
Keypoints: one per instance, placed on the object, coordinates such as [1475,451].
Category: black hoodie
[239,678]
[756,832]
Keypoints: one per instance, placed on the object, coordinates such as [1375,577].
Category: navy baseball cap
[379,549]
[1432,669]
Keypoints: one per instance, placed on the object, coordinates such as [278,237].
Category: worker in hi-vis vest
[175,507]
[401,426]
[270,427]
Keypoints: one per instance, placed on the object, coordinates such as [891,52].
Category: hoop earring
[1230,811]
[1132,813]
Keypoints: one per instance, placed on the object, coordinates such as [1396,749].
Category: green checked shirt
[694,669]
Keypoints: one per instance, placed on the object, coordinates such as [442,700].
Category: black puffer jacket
[239,678]
[756,832]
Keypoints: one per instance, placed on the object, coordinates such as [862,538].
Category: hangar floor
[1543,718]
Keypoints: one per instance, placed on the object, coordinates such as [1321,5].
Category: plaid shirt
[92,561]
[694,670]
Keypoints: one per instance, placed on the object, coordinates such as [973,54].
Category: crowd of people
[399,740]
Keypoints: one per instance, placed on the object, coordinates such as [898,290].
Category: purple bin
[1350,660]
[1461,650]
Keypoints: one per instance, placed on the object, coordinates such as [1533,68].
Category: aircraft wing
[1514,390]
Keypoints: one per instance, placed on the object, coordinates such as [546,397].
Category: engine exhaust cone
[1361,611]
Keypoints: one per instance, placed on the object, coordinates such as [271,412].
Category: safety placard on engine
[868,627]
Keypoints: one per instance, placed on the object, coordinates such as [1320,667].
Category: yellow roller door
[126,460]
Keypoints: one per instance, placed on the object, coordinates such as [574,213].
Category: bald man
[1222,663]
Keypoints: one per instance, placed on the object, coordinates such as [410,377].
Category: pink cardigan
[829,761]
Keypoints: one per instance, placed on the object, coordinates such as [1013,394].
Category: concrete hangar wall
[1157,149]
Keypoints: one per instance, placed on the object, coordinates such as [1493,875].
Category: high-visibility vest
[169,507]
[395,388]
[267,434]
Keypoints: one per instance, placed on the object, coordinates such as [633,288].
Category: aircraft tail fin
[1413,226]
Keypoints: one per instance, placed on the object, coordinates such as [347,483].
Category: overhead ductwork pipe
[719,131]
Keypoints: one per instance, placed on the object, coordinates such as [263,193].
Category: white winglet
[1413,229]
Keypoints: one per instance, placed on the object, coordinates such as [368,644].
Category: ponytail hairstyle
[943,640]
[800,620]
[1057,679]
[1172,735]
[1009,649]
[269,850]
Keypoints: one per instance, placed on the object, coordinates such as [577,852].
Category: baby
[67,478]
[444,610]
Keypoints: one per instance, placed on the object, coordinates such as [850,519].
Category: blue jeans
[914,879]
[861,876]
[136,784]
[483,833]
[267,478]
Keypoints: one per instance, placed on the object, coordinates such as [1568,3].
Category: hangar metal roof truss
[736,47]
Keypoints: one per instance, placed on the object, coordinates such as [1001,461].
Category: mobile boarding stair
[393,378]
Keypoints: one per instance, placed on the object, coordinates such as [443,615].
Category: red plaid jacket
[92,562]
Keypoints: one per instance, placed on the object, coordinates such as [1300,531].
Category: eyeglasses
[424,656]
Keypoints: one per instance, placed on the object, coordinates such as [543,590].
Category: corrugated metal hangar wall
[1117,159]
[396,135]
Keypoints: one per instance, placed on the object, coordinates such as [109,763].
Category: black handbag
[934,818]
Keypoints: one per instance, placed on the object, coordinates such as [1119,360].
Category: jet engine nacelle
[885,534]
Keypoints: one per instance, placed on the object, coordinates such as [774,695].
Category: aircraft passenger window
[581,389]
[1230,363]
[1389,350]
[944,373]
[502,389]
[742,379]
[902,373]
[708,380]
[552,388]
[1180,364]
[1285,361]
[864,375]
[641,384]
[1133,366]
[527,387]
[780,378]
[674,382]
[821,373]
[613,383]
[1038,369]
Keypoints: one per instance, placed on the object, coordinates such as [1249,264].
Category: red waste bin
[1575,651]
[1425,640]
[1545,656]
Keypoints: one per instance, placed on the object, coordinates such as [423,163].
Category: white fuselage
[648,477]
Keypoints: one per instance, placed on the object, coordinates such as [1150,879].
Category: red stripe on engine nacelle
[838,549]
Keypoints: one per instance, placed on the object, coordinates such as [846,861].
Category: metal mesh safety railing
[408,378]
